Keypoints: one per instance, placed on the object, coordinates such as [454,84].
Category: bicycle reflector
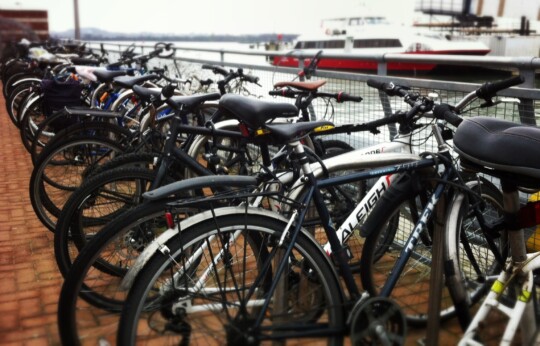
[169,219]
[529,214]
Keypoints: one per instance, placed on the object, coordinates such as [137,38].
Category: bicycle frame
[518,275]
[492,301]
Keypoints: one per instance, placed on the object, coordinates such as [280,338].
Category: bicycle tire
[12,81]
[334,147]
[15,100]
[304,304]
[61,169]
[400,205]
[91,296]
[47,135]
[31,116]
[95,203]
[467,268]
[412,288]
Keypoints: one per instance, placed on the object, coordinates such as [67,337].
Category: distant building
[30,24]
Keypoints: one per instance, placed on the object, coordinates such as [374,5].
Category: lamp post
[77,28]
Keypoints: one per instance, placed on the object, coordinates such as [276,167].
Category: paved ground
[29,280]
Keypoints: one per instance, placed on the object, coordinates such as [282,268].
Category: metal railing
[521,108]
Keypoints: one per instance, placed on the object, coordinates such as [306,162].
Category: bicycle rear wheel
[469,256]
[91,298]
[399,210]
[381,252]
[218,296]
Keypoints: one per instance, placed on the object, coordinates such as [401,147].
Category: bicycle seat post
[517,244]
[511,209]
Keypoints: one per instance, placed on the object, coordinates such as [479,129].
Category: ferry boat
[376,36]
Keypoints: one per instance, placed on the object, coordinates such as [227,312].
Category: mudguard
[161,241]
[407,183]
[211,181]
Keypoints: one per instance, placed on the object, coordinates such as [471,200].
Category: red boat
[374,36]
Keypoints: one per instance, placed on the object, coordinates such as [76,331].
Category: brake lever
[488,103]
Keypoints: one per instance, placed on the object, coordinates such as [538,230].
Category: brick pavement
[29,279]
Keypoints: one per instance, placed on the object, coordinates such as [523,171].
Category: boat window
[333,44]
[306,45]
[320,44]
[377,43]
[356,21]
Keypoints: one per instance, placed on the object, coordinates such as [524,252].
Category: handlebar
[490,89]
[390,89]
[229,76]
[340,97]
[485,92]
[446,112]
[310,69]
[285,92]
[139,58]
[216,69]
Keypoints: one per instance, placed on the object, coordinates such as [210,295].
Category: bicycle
[176,163]
[172,305]
[513,293]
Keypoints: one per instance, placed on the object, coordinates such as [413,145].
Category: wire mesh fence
[516,104]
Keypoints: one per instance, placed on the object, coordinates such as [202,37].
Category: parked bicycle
[190,288]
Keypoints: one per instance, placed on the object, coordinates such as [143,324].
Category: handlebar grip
[155,52]
[283,92]
[251,78]
[376,84]
[206,82]
[488,90]
[215,69]
[157,70]
[344,97]
[446,112]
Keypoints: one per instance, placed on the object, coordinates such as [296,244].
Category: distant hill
[95,34]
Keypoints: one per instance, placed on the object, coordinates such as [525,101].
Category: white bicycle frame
[492,301]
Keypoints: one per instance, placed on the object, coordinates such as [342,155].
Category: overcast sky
[209,16]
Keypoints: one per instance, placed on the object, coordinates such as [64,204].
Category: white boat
[374,35]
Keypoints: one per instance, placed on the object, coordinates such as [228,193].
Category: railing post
[222,57]
[381,68]
[387,109]
[526,106]
[300,63]
[385,101]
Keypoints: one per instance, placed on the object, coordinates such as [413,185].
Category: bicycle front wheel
[213,284]
[399,210]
